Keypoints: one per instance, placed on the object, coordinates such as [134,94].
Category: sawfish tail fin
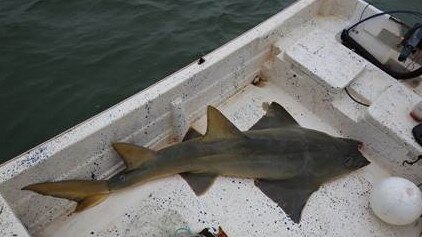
[86,193]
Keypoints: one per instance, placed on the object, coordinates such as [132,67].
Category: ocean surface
[63,61]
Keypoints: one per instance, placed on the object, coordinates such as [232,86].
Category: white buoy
[396,201]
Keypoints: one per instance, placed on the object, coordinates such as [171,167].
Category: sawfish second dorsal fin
[134,156]
[276,117]
[218,126]
[191,134]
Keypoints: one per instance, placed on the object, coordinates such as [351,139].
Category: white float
[397,201]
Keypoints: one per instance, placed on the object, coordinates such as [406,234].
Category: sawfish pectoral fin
[199,183]
[86,193]
[290,195]
[275,117]
[134,156]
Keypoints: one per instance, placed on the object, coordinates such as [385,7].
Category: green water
[63,61]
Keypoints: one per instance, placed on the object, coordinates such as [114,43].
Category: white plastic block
[391,114]
[326,60]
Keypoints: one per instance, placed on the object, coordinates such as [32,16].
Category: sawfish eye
[122,178]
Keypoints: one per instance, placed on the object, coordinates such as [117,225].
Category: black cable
[363,11]
[351,43]
[416,13]
[412,162]
[355,100]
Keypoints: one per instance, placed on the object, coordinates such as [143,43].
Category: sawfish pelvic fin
[199,183]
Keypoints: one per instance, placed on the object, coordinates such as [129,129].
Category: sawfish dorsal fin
[275,117]
[199,183]
[134,156]
[290,195]
[218,126]
[191,134]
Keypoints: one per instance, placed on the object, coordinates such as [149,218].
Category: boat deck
[295,59]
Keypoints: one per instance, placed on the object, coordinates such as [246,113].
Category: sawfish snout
[361,161]
[354,159]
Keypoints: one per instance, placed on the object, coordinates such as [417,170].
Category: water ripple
[63,61]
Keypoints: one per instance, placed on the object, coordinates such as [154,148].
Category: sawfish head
[352,158]
[341,156]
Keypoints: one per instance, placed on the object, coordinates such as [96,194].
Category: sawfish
[287,162]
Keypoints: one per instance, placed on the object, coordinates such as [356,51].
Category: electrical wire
[355,100]
[416,13]
[351,43]
[412,162]
[363,11]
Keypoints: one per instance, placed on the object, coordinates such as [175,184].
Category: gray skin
[291,152]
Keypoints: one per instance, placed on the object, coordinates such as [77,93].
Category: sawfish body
[288,162]
[273,154]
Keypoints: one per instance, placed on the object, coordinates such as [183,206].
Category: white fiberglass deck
[300,64]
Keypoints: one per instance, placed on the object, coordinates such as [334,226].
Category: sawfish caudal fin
[134,156]
[276,117]
[86,193]
[290,195]
[219,126]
